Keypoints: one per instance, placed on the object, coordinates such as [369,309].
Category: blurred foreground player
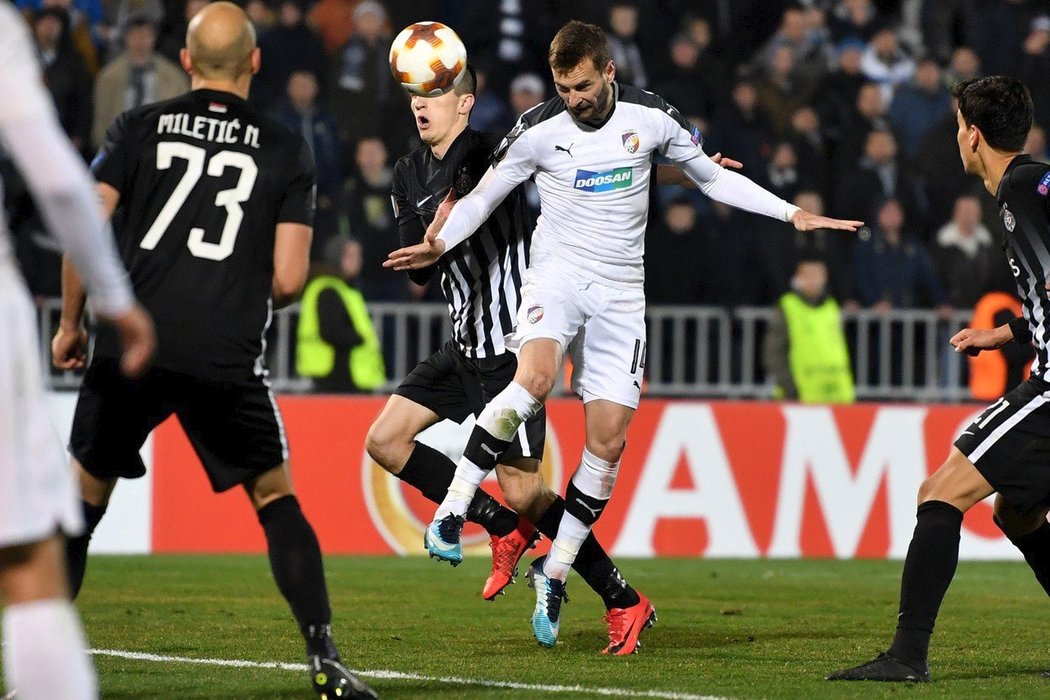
[1006,450]
[481,282]
[214,205]
[44,647]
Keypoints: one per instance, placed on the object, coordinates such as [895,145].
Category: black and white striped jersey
[1024,208]
[481,277]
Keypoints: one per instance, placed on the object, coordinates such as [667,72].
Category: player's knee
[926,489]
[388,448]
[270,486]
[607,445]
[538,382]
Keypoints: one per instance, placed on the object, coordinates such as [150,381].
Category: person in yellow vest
[337,344]
[996,372]
[805,348]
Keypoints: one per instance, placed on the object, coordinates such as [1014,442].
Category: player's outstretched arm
[672,175]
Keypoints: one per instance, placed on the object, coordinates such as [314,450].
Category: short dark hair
[468,84]
[998,105]
[577,41]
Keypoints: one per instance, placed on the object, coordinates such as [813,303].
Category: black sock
[295,559]
[77,547]
[428,470]
[928,570]
[431,472]
[592,563]
[1035,546]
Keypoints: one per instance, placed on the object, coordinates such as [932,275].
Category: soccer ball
[428,59]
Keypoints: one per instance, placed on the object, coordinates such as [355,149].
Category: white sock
[595,478]
[565,547]
[462,489]
[45,653]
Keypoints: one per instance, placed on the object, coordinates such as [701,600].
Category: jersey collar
[208,95]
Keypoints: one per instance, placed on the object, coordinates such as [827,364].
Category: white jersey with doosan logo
[593,182]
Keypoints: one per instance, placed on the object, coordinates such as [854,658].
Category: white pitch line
[402,676]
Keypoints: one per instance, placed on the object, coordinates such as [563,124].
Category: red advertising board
[738,479]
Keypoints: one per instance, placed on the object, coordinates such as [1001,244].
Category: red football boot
[626,625]
[507,551]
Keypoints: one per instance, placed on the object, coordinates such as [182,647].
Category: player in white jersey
[590,150]
[42,638]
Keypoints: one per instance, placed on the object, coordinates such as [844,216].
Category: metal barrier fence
[710,352]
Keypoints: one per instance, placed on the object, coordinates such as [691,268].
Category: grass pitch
[740,629]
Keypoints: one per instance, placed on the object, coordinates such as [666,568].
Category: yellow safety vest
[314,357]
[817,352]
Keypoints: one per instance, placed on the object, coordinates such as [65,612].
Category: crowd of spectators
[839,105]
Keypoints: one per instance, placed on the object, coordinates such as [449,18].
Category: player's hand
[973,340]
[69,347]
[417,256]
[138,340]
[726,162]
[804,221]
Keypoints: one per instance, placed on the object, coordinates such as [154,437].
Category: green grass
[744,629]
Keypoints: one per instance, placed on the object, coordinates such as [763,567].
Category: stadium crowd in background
[842,102]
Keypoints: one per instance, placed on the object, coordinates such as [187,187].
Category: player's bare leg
[539,361]
[928,570]
[392,443]
[295,560]
[44,647]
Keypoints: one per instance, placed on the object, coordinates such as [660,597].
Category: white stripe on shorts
[523,438]
[1007,425]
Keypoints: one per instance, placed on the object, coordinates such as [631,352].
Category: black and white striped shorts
[1009,443]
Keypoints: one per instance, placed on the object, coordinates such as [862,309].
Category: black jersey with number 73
[204,179]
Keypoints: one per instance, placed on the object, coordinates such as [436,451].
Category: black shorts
[234,427]
[1009,443]
[455,386]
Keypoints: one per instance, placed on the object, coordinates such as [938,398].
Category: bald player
[214,205]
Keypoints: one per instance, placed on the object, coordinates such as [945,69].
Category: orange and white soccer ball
[428,59]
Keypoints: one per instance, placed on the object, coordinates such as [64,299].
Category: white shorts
[38,491]
[602,328]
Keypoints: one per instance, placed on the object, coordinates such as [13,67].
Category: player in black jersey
[1006,450]
[214,205]
[481,281]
